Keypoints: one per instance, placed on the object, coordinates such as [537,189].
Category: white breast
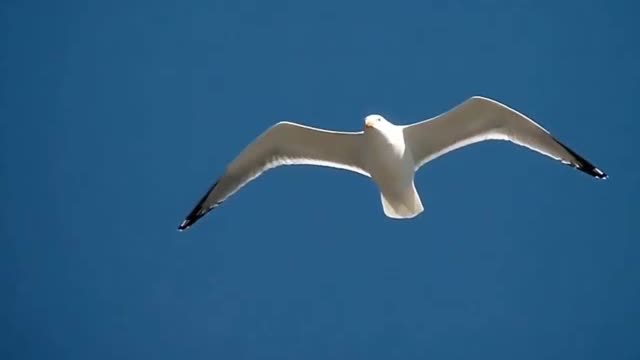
[386,158]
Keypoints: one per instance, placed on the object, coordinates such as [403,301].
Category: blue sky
[116,116]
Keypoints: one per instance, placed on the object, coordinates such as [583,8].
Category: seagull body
[389,154]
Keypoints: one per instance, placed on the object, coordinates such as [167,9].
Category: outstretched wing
[285,143]
[478,119]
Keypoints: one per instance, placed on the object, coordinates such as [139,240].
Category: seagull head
[374,121]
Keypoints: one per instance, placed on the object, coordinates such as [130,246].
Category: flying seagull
[389,154]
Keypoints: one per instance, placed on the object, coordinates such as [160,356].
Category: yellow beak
[368,124]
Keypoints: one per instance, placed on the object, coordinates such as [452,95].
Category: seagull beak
[368,124]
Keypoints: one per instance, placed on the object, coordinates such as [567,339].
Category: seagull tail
[405,204]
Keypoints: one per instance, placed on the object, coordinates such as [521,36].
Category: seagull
[388,154]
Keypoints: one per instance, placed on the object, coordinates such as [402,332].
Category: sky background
[116,116]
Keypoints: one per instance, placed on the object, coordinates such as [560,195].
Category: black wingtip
[198,211]
[193,216]
[185,224]
[584,165]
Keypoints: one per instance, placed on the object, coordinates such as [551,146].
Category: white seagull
[387,153]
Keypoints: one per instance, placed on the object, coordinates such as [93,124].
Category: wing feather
[479,119]
[285,143]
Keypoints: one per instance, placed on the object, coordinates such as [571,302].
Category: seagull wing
[478,119]
[285,143]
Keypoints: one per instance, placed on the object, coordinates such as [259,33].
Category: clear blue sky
[116,116]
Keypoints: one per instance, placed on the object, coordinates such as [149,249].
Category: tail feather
[403,204]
